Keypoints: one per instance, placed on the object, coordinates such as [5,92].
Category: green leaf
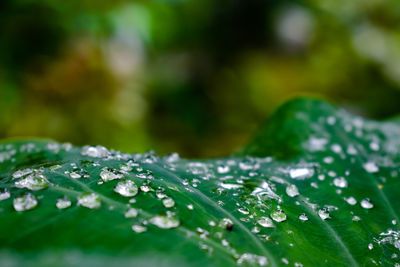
[316,187]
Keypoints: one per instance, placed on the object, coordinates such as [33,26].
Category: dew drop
[351,200]
[95,151]
[370,246]
[63,203]
[252,259]
[25,202]
[190,207]
[139,228]
[278,216]
[265,222]
[5,194]
[366,203]
[301,173]
[303,217]
[168,202]
[223,169]
[109,175]
[340,182]
[126,188]
[371,167]
[89,200]
[165,222]
[21,173]
[323,214]
[292,191]
[145,188]
[131,213]
[35,181]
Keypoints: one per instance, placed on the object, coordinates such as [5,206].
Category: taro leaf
[316,187]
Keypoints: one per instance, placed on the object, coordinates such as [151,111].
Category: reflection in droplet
[63,203]
[25,202]
[4,194]
[131,213]
[278,216]
[165,222]
[126,188]
[366,203]
[292,191]
[265,222]
[89,200]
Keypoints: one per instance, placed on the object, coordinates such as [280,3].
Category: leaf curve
[315,186]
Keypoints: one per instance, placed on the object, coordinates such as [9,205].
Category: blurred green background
[193,76]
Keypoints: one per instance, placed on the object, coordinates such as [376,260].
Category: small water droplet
[323,214]
[165,222]
[366,203]
[265,222]
[252,259]
[370,246]
[63,203]
[95,151]
[371,167]
[351,200]
[131,213]
[126,188]
[89,200]
[139,228]
[340,182]
[292,191]
[4,194]
[190,206]
[356,219]
[25,202]
[223,169]
[110,174]
[168,202]
[303,217]
[278,216]
[301,173]
[145,188]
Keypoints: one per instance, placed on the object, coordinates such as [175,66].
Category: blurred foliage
[193,76]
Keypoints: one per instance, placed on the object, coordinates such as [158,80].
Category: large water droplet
[89,200]
[25,202]
[366,203]
[351,200]
[301,173]
[21,173]
[168,202]
[292,190]
[63,203]
[265,222]
[278,216]
[35,181]
[5,194]
[165,222]
[95,151]
[110,174]
[126,188]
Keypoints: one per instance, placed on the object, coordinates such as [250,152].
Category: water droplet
[63,203]
[223,169]
[292,190]
[285,261]
[244,210]
[301,173]
[89,200]
[110,174]
[165,222]
[303,217]
[366,203]
[131,213]
[356,219]
[226,223]
[336,148]
[371,167]
[25,202]
[370,246]
[252,259]
[95,151]
[5,194]
[21,173]
[190,206]
[340,182]
[323,214]
[168,202]
[351,200]
[139,228]
[278,216]
[265,222]
[35,181]
[126,188]
[145,188]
